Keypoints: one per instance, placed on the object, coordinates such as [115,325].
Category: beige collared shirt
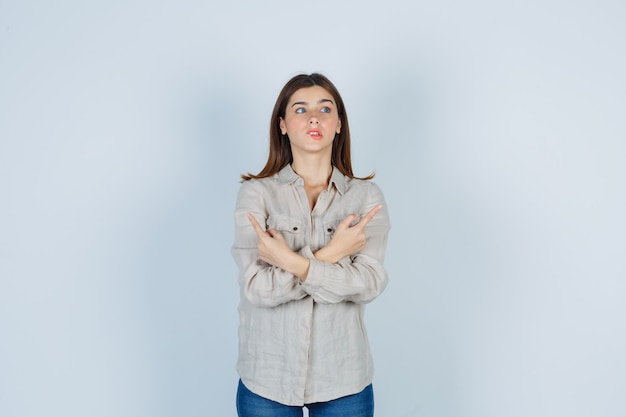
[306,343]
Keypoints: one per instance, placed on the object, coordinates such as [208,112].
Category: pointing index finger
[370,215]
[255,224]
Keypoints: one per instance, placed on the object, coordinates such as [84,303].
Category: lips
[314,134]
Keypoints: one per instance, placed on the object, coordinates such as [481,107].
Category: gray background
[498,135]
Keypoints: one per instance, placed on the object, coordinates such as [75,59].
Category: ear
[281,124]
[338,130]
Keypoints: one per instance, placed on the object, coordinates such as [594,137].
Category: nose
[313,120]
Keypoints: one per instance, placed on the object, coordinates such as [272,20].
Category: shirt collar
[287,176]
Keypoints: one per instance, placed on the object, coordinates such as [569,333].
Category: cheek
[296,123]
[333,123]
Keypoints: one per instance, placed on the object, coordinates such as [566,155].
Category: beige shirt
[305,343]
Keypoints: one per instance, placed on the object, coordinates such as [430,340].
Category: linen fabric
[306,342]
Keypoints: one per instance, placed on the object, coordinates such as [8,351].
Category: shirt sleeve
[359,278]
[261,283]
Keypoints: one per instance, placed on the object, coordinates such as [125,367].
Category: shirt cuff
[315,276]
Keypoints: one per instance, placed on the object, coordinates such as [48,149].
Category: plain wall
[498,135]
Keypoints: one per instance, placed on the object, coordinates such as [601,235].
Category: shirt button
[295,228]
[329,230]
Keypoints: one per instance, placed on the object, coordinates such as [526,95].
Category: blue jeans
[250,404]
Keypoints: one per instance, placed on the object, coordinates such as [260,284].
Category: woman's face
[311,120]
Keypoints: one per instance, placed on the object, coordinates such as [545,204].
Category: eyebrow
[324,100]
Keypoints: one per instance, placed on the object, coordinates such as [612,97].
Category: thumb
[345,223]
[275,234]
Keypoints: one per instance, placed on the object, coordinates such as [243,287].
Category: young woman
[310,240]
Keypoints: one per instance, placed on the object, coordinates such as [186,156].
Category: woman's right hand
[274,250]
[347,240]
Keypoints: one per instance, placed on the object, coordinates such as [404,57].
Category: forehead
[310,95]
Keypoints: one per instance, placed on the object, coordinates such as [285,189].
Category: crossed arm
[348,268]
[347,240]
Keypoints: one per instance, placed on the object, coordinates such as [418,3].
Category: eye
[300,110]
[326,110]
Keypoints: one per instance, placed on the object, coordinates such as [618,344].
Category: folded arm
[350,266]
[261,282]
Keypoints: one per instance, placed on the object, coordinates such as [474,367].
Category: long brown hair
[280,148]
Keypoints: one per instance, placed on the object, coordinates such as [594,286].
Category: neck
[314,171]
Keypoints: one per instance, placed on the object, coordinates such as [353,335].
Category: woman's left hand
[347,240]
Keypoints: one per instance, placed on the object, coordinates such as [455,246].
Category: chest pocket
[329,228]
[292,229]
